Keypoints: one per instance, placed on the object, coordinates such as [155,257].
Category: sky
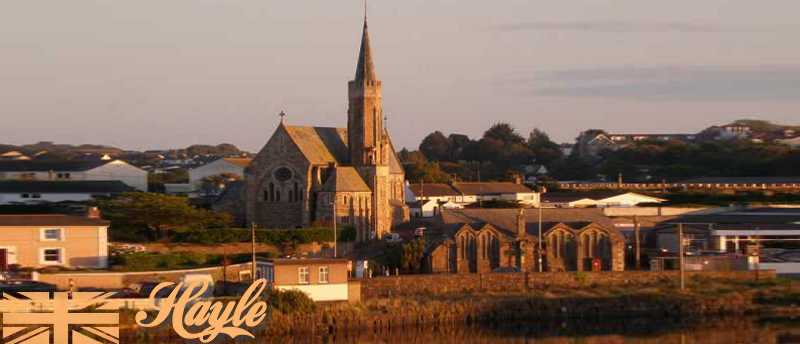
[155,74]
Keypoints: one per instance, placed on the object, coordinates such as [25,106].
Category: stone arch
[595,243]
[562,250]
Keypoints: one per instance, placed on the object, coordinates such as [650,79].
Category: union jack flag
[58,318]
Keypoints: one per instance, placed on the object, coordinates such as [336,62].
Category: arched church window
[296,192]
[271,192]
[291,196]
[277,195]
[266,195]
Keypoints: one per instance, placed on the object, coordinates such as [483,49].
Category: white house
[464,193]
[44,191]
[74,170]
[598,199]
[430,208]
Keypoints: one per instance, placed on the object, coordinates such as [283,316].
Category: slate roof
[320,145]
[490,188]
[323,145]
[49,220]
[48,165]
[78,186]
[505,219]
[365,70]
[347,179]
[433,190]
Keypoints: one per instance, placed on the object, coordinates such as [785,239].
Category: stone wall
[502,282]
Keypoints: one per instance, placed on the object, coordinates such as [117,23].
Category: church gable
[280,149]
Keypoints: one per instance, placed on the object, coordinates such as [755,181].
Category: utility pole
[636,240]
[680,253]
[253,247]
[333,204]
[541,267]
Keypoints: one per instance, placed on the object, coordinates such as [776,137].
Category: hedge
[150,261]
[269,236]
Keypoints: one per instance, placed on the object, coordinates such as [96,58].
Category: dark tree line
[502,153]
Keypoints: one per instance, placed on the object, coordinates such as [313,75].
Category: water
[716,331]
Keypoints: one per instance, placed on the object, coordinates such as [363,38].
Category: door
[3,259]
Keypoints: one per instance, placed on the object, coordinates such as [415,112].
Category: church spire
[365,71]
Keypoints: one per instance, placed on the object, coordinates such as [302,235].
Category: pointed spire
[365,71]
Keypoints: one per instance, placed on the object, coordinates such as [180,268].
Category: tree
[503,132]
[435,146]
[158,213]
[545,151]
[214,185]
[413,252]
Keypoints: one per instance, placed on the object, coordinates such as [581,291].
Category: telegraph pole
[253,247]
[680,252]
[333,204]
[637,242]
[541,267]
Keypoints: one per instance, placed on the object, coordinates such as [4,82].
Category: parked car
[393,238]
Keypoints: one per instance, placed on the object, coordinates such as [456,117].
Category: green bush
[147,261]
[290,301]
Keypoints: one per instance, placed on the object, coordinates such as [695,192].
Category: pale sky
[145,74]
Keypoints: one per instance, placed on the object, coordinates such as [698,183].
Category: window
[302,275]
[52,234]
[52,256]
[323,274]
[63,175]
[26,195]
[36,195]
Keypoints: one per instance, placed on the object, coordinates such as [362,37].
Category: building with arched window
[486,240]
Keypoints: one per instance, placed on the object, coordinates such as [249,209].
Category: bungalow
[464,193]
[37,241]
[42,191]
[74,170]
[321,279]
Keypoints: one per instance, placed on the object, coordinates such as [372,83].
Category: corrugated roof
[490,188]
[78,186]
[345,178]
[320,145]
[48,165]
[743,180]
[49,220]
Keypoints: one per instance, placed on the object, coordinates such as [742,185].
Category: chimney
[521,224]
[517,179]
[93,213]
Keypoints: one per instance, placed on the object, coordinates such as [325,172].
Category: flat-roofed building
[321,279]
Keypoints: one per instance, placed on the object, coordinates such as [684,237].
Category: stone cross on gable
[283,115]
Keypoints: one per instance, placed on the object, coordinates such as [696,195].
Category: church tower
[367,140]
[365,113]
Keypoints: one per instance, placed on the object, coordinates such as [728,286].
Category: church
[307,176]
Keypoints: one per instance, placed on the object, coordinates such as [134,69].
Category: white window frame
[327,274]
[61,256]
[43,236]
[301,271]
